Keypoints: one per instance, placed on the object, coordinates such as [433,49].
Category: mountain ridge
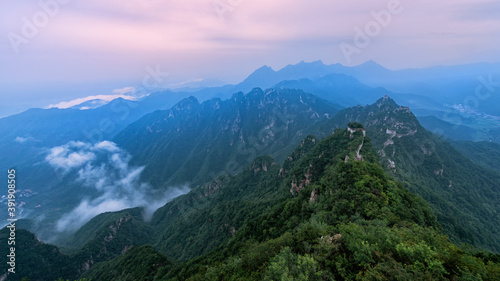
[269,207]
[217,123]
[432,168]
[318,224]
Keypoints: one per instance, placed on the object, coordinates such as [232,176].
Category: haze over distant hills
[461,97]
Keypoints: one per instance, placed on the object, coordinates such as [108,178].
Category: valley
[202,188]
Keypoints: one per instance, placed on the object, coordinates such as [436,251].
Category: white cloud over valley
[104,168]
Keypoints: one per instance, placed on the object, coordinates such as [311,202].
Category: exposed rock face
[212,187]
[263,164]
[301,184]
[439,172]
[258,169]
[385,117]
[194,142]
[314,195]
[334,240]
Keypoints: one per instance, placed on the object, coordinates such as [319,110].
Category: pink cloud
[94,41]
[108,98]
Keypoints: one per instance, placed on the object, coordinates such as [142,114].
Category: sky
[54,51]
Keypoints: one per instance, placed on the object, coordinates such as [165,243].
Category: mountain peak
[318,62]
[386,101]
[187,103]
[260,73]
[370,62]
[256,92]
[305,68]
[259,77]
[263,69]
[384,115]
[371,66]
[314,63]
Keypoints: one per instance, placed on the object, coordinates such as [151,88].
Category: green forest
[329,212]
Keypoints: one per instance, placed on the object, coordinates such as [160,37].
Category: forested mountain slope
[483,153]
[194,142]
[328,211]
[463,194]
[340,216]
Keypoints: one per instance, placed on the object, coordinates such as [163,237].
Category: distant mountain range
[462,95]
[245,151]
[447,93]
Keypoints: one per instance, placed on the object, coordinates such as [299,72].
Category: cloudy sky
[58,50]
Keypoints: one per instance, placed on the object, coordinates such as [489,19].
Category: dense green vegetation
[349,221]
[452,131]
[194,143]
[208,216]
[91,235]
[106,237]
[463,195]
[139,263]
[34,259]
[330,211]
[486,154]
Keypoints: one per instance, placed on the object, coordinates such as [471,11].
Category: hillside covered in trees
[329,212]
